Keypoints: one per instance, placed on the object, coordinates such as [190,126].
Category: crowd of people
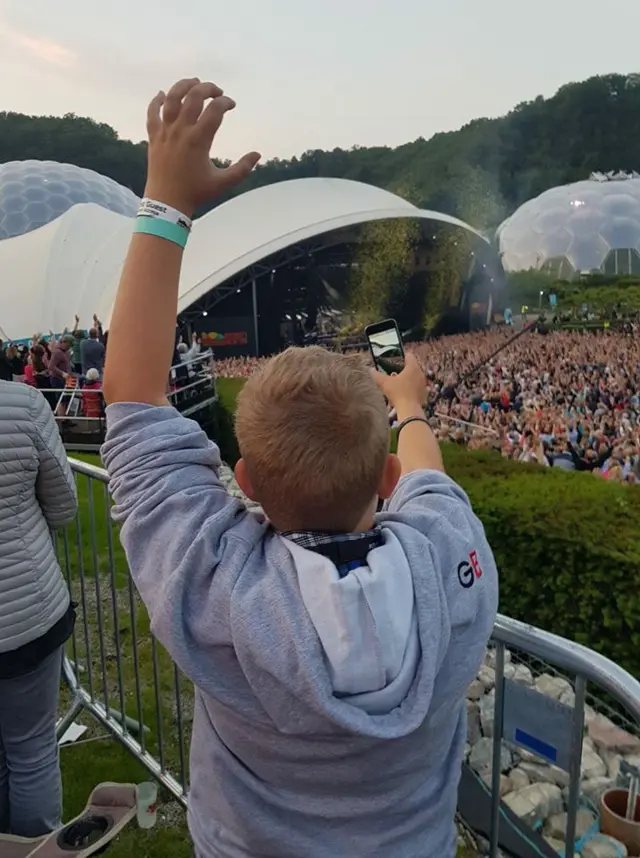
[73,361]
[566,399]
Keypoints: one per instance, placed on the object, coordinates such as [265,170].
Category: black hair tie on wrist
[406,422]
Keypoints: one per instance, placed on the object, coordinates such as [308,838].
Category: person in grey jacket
[37,493]
[331,648]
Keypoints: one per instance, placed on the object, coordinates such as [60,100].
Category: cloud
[45,50]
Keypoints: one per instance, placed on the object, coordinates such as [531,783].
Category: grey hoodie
[330,714]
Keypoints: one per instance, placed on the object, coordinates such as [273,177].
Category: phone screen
[386,347]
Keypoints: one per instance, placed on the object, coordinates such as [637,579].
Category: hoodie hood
[365,621]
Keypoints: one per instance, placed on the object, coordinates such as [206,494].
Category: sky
[309,75]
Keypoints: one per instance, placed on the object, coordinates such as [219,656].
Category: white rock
[607,736]
[523,675]
[505,783]
[595,788]
[552,686]
[487,677]
[527,756]
[558,846]
[475,690]
[612,762]
[562,778]
[487,713]
[509,671]
[490,657]
[481,758]
[568,697]
[535,802]
[592,765]
[589,714]
[538,773]
[542,773]
[556,826]
[519,779]
[473,722]
[604,847]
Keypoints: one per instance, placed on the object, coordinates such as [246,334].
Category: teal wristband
[162,229]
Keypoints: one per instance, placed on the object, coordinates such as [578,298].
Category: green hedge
[567,545]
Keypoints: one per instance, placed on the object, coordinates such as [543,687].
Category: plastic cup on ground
[147,804]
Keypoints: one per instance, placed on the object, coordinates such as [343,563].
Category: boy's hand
[181,131]
[406,390]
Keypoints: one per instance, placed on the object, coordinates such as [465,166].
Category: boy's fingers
[153,116]
[173,100]
[194,101]
[212,116]
[236,173]
[380,379]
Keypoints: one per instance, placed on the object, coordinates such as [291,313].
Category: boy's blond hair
[313,431]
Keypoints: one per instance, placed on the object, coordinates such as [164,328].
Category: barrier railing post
[98,591]
[74,642]
[180,723]
[156,689]
[114,608]
[83,603]
[577,735]
[496,771]
[136,663]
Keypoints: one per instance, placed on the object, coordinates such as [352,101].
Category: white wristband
[153,208]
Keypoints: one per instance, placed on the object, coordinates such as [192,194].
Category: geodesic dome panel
[573,227]
[33,193]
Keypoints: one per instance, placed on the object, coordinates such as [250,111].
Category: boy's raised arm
[181,127]
[418,448]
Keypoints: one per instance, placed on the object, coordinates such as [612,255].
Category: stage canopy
[72,265]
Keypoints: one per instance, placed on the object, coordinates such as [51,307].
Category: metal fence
[80,416]
[117,673]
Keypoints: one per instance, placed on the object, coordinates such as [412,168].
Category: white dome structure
[588,226]
[72,265]
[34,193]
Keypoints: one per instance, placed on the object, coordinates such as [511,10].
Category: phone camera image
[387,351]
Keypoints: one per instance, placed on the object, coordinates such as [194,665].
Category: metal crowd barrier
[192,391]
[115,671]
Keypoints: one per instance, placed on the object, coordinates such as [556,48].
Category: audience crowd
[566,399]
[73,361]
[68,369]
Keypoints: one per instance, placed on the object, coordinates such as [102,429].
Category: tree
[479,173]
[383,265]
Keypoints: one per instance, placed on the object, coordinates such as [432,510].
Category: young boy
[330,647]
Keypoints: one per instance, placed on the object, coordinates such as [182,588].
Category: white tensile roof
[73,264]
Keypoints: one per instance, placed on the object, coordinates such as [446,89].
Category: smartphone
[386,347]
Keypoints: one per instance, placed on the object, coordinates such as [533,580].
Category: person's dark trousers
[30,786]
